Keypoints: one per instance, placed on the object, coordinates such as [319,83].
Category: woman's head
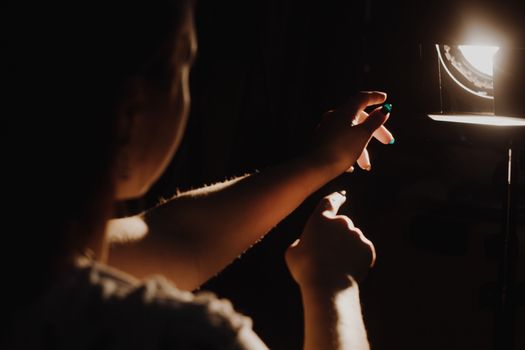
[152,112]
[102,100]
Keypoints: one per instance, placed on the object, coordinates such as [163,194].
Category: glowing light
[494,120]
[472,80]
[480,57]
[125,230]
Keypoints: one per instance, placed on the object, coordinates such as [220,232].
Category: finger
[347,221]
[362,100]
[329,205]
[370,245]
[384,136]
[375,119]
[373,251]
[361,117]
[364,160]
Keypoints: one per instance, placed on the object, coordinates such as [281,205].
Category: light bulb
[480,57]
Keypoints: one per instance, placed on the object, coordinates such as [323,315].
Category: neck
[97,243]
[98,246]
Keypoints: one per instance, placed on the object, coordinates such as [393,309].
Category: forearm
[204,231]
[195,235]
[333,319]
[218,224]
[235,217]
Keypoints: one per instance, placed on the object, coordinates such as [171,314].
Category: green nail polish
[392,141]
[387,108]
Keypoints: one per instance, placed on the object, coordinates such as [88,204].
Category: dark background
[265,73]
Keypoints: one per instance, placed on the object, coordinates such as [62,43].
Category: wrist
[323,163]
[327,285]
[333,316]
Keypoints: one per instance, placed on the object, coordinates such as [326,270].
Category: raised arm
[195,235]
[327,262]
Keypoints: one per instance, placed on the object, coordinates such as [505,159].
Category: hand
[331,248]
[343,134]
[382,134]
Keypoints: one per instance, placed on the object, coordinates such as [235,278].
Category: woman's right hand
[331,249]
[344,133]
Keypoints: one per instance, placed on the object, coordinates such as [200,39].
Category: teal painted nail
[392,141]
[387,108]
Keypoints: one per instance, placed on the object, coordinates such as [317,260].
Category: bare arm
[332,318]
[195,235]
[326,262]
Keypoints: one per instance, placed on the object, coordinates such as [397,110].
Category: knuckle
[326,201]
[363,94]
[325,218]
[359,232]
[372,252]
[340,222]
[345,222]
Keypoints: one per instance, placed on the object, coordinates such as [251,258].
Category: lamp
[471,68]
[482,86]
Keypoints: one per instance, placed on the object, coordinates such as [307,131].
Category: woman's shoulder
[186,317]
[99,303]
[158,294]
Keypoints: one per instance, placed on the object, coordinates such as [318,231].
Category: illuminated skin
[190,250]
[196,234]
[156,123]
[382,134]
[327,262]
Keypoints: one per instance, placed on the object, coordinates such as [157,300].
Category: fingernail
[392,141]
[387,108]
[342,193]
[368,168]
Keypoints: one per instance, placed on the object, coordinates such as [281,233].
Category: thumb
[329,205]
[377,118]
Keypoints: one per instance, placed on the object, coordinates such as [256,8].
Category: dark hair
[68,67]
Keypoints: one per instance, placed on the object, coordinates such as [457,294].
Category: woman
[105,93]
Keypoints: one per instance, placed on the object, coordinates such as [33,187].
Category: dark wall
[266,71]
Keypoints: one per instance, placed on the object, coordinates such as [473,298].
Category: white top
[98,307]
